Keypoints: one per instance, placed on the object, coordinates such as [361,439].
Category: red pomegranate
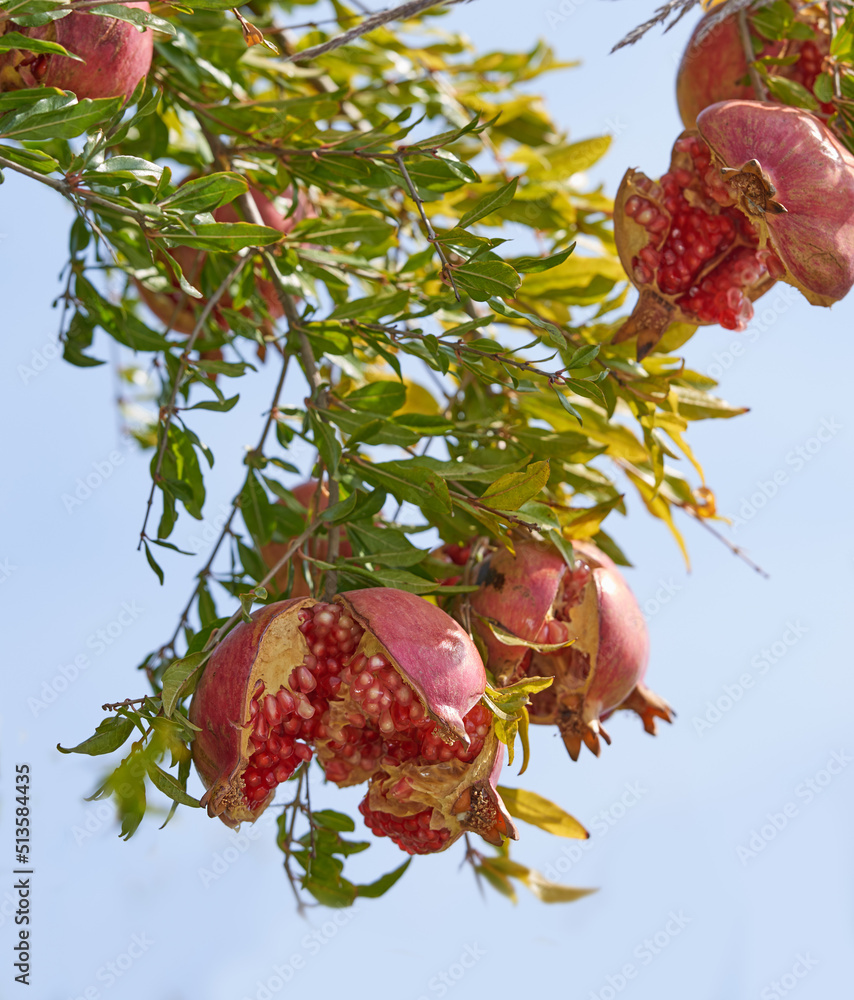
[116,54]
[537,597]
[164,304]
[794,181]
[693,255]
[384,685]
[714,67]
[317,546]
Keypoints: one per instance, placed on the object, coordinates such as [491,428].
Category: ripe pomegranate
[317,546]
[714,66]
[117,56]
[537,597]
[384,685]
[693,255]
[164,304]
[794,181]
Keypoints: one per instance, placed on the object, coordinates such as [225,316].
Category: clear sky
[721,848]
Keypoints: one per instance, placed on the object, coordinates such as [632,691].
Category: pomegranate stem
[750,56]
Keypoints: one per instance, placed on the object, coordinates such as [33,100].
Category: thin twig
[403,12]
[735,549]
[750,56]
[169,409]
[431,234]
[226,528]
[219,634]
[831,27]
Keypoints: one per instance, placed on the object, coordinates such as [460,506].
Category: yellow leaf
[538,811]
[554,892]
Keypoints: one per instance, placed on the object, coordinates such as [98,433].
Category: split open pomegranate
[384,685]
[532,594]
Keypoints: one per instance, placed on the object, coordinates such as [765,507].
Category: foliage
[450,303]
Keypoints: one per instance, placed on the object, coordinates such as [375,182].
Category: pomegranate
[794,181]
[714,66]
[117,56]
[317,546]
[535,596]
[164,304]
[693,255]
[384,685]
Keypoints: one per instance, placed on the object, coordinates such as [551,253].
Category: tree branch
[447,271]
[204,572]
[403,12]
[169,409]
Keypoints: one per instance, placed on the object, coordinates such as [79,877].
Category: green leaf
[329,819]
[256,510]
[823,88]
[376,889]
[152,562]
[791,92]
[65,122]
[516,488]
[410,483]
[490,203]
[484,278]
[582,356]
[220,406]
[224,237]
[204,194]
[180,679]
[135,16]
[533,265]
[164,782]
[538,811]
[15,40]
[357,227]
[508,638]
[378,397]
[109,736]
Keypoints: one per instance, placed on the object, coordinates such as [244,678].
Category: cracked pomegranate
[714,66]
[536,597]
[116,56]
[794,181]
[693,255]
[384,685]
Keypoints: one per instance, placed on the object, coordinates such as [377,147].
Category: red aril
[383,684]
[693,255]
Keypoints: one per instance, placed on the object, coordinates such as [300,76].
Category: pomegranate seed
[272,710]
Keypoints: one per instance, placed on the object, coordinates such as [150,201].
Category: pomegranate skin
[276,680]
[220,706]
[710,70]
[452,679]
[781,156]
[117,56]
[451,799]
[713,65]
[518,591]
[591,604]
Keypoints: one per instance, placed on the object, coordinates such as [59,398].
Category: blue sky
[721,848]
